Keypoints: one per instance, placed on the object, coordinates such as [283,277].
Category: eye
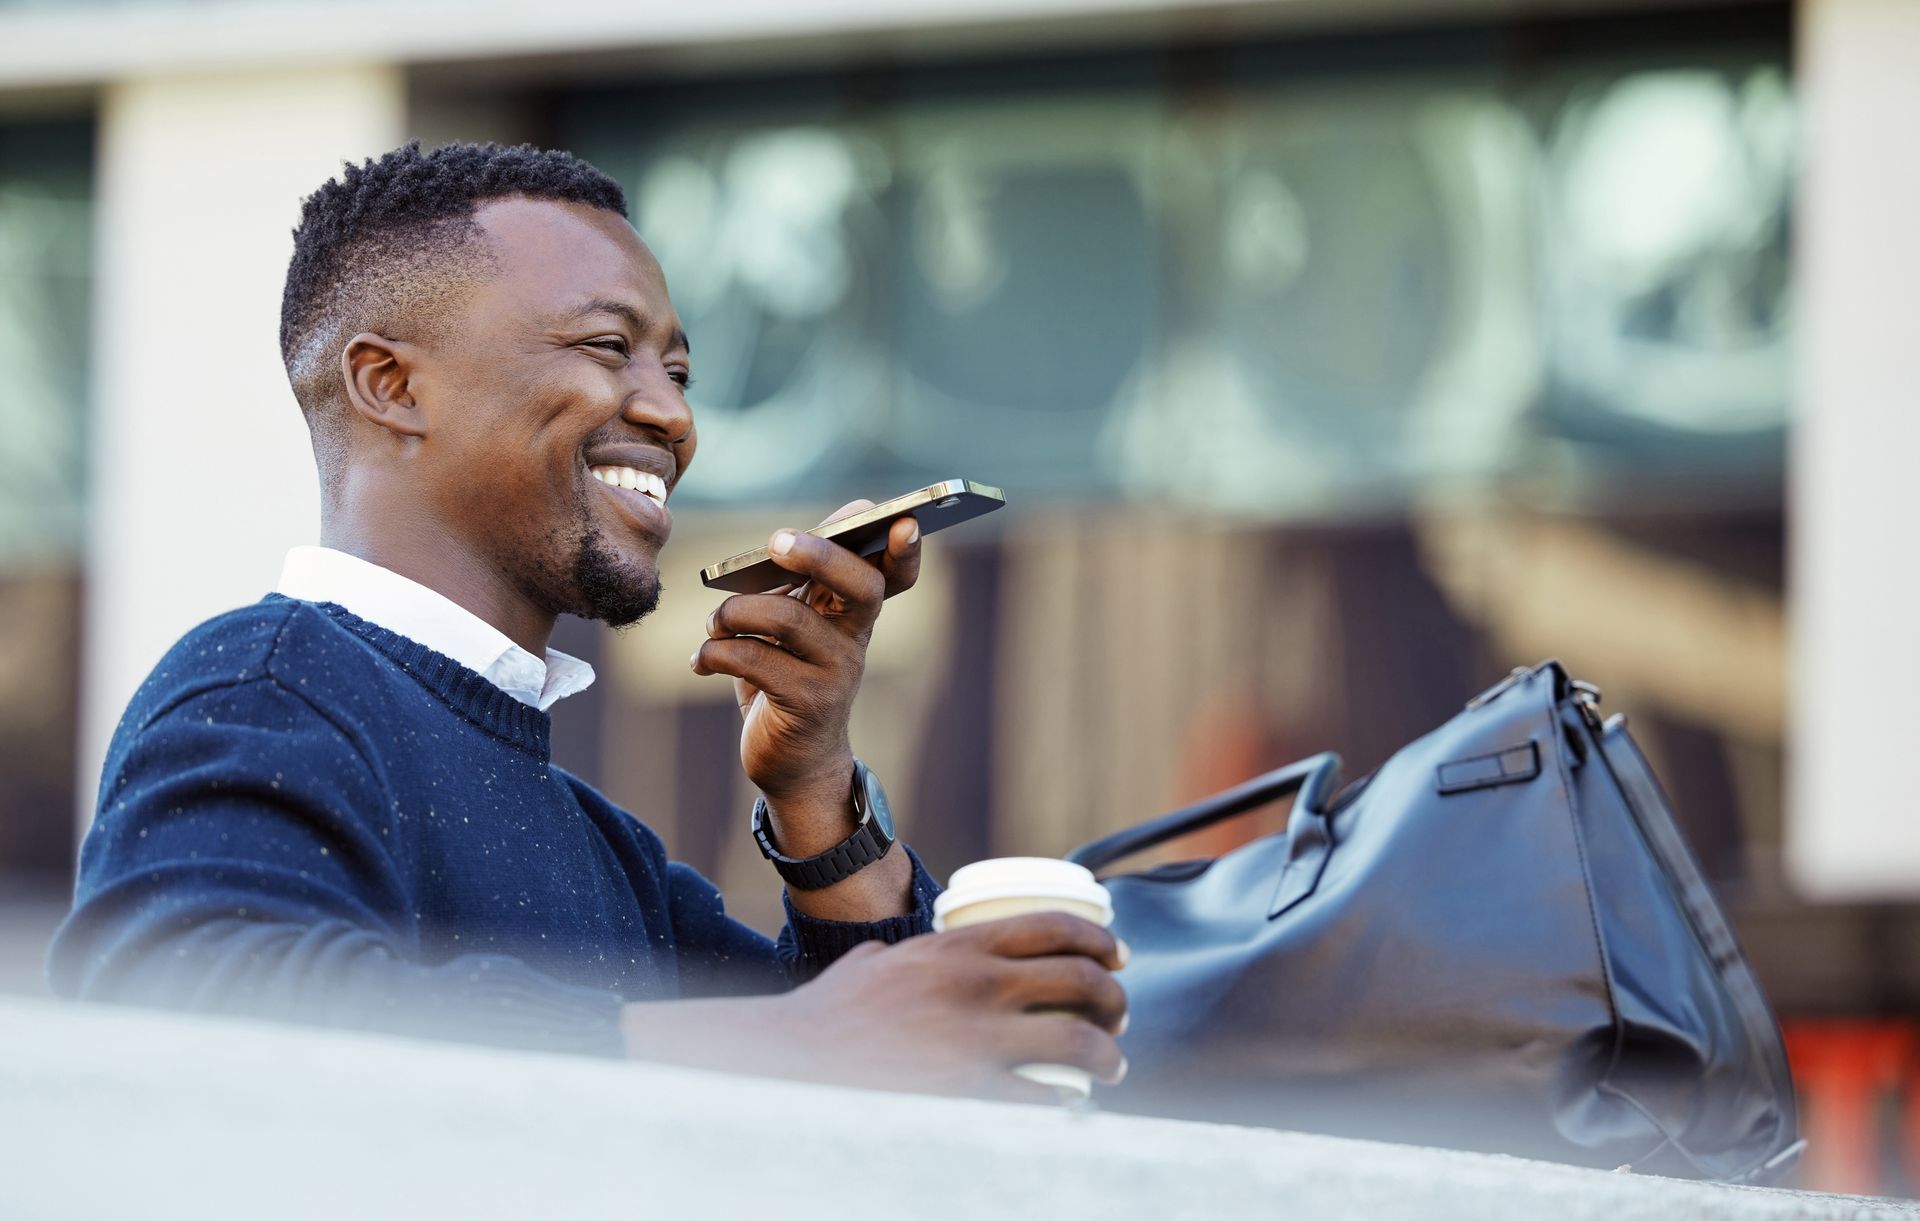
[612,344]
[682,378]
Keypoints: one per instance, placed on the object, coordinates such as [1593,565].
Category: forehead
[553,255]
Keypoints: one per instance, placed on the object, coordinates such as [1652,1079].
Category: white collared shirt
[380,595]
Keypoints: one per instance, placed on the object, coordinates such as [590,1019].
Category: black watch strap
[868,843]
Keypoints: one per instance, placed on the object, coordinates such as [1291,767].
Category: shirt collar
[380,595]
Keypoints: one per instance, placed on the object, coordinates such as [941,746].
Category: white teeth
[646,483]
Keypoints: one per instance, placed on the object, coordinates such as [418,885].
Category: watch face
[875,799]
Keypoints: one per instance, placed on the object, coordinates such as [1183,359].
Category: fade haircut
[390,243]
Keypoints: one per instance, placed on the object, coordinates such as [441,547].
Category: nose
[660,409]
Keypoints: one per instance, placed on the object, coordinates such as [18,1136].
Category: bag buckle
[1586,697]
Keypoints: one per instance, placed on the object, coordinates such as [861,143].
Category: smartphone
[947,503]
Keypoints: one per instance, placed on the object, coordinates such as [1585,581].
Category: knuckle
[791,612]
[1002,985]
[1033,925]
[1090,1046]
[1061,928]
[977,984]
[1089,978]
[987,977]
[1097,942]
[969,939]
[741,619]
[737,615]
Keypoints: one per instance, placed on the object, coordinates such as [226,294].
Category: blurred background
[1335,358]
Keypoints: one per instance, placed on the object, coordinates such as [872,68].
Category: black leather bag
[1498,941]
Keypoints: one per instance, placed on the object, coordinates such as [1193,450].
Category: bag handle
[1314,778]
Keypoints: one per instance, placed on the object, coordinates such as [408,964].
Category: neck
[443,561]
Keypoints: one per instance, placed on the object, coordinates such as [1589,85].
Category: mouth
[648,484]
[642,494]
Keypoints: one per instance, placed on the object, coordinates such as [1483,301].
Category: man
[336,805]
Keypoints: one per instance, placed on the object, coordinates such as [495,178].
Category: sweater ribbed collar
[465,691]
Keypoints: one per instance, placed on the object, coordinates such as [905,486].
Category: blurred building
[1335,357]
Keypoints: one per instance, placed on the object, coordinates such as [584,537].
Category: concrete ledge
[113,1113]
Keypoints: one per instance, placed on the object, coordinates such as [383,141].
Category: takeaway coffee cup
[1015,886]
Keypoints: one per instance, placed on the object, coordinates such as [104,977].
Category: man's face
[562,380]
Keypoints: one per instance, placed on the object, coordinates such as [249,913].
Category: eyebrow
[629,315]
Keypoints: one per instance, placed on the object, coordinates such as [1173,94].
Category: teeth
[646,483]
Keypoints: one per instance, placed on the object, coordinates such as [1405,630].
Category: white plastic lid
[1023,877]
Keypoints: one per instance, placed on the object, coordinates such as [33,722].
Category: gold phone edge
[950,487]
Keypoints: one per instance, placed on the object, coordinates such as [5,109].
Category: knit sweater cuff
[814,944]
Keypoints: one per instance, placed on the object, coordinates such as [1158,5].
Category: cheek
[539,441]
[507,474]
[521,431]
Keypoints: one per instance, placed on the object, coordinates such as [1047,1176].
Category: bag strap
[1314,778]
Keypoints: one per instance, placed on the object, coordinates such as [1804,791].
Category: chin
[612,588]
[627,608]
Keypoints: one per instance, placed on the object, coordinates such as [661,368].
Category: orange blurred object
[1857,1078]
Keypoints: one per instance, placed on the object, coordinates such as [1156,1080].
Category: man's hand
[796,657]
[948,1013]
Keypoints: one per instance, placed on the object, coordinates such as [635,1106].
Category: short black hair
[377,247]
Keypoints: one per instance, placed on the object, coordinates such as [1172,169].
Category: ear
[378,372]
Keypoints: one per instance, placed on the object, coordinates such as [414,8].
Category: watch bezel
[870,802]
[873,836]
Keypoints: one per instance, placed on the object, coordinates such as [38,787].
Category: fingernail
[1122,1074]
[1126,1020]
[913,532]
[1125,953]
[782,542]
[693,663]
[713,621]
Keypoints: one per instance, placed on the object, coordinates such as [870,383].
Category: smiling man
[337,805]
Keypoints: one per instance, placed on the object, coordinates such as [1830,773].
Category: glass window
[46,231]
[46,187]
[1291,280]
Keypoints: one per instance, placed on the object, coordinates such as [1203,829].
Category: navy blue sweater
[308,817]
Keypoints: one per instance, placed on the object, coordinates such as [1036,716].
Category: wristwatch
[868,843]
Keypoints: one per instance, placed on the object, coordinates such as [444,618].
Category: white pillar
[202,475]
[1854,817]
